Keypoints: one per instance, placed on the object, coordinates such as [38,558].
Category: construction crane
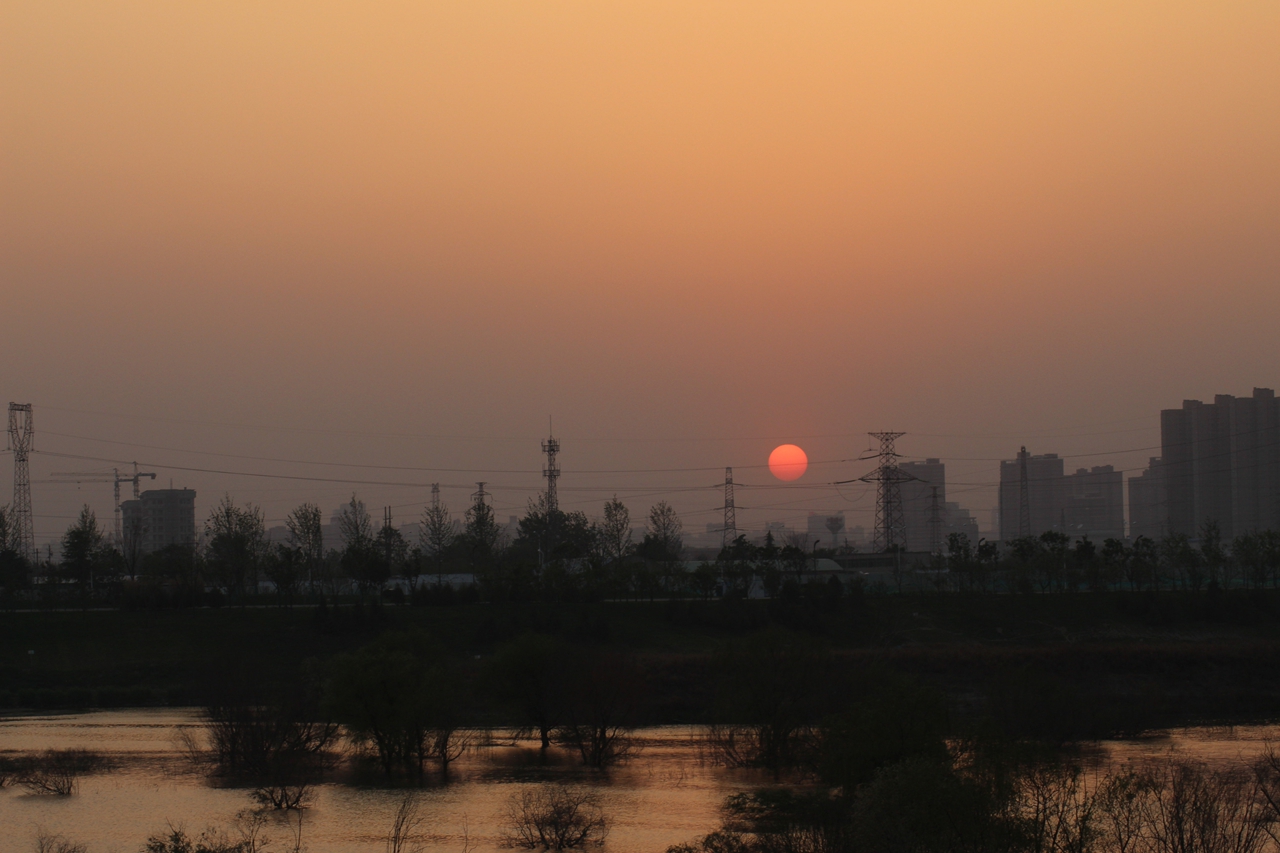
[102,477]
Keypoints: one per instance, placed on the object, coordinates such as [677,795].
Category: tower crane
[114,477]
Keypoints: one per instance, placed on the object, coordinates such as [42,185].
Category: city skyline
[405,236]
[1096,501]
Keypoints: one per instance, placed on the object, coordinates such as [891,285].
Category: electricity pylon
[730,512]
[935,523]
[21,433]
[891,526]
[1024,495]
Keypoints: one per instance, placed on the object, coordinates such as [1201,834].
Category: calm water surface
[665,795]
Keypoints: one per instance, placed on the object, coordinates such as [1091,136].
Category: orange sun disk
[788,462]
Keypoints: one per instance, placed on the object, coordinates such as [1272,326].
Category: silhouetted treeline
[558,556]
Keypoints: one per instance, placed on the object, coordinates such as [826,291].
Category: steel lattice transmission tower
[551,447]
[1024,495]
[21,433]
[730,513]
[935,522]
[891,526]
[435,495]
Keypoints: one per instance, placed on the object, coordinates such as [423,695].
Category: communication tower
[551,447]
[21,433]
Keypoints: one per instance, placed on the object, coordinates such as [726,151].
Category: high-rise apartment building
[159,518]
[1221,463]
[918,503]
[1093,503]
[1148,507]
[1045,503]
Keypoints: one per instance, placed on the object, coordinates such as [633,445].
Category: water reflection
[663,796]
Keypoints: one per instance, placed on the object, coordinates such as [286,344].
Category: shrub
[57,771]
[555,817]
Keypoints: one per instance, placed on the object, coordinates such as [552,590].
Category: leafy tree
[1116,556]
[554,533]
[173,564]
[400,696]
[85,553]
[529,675]
[284,567]
[602,702]
[1085,565]
[768,691]
[1182,559]
[1143,562]
[1212,554]
[237,542]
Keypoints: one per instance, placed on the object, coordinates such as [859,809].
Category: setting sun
[788,462]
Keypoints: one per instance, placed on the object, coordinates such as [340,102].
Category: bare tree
[436,535]
[663,540]
[405,825]
[237,543]
[615,531]
[555,817]
[306,537]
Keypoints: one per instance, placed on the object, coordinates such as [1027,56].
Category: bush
[46,843]
[56,771]
[555,817]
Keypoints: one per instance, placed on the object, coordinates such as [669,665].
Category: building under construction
[159,518]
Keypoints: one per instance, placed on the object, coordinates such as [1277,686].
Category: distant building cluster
[928,517]
[1219,462]
[1037,495]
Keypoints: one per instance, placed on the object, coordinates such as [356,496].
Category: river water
[665,795]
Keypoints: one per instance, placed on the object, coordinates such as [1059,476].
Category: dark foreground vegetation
[1065,665]
[944,712]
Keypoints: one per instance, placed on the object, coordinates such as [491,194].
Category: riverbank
[1077,664]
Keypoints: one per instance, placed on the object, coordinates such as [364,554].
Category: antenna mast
[551,447]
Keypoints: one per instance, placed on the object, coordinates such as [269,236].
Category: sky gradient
[405,235]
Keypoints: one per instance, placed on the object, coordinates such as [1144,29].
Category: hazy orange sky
[406,234]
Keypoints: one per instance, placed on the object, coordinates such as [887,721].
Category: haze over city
[393,241]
